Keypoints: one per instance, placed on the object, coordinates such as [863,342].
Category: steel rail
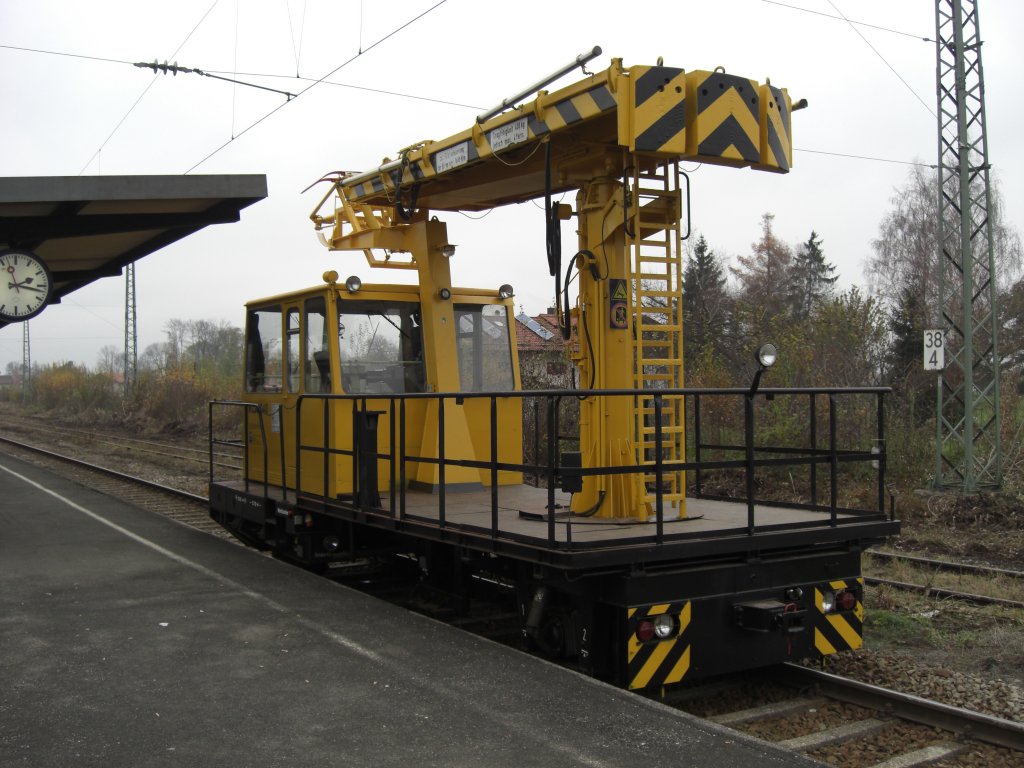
[944,593]
[947,565]
[120,440]
[107,471]
[975,725]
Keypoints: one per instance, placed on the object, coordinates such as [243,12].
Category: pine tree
[811,277]
[705,299]
[764,278]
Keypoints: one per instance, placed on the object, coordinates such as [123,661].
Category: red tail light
[846,601]
[645,630]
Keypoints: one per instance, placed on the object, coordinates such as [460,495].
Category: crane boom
[661,112]
[616,138]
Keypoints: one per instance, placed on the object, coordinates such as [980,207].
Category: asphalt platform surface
[127,639]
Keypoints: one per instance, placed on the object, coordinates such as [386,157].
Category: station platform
[127,639]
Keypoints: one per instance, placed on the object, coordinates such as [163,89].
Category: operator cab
[313,357]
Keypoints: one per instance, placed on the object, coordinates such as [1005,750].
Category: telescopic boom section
[615,137]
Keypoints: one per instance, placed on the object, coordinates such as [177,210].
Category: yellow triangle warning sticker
[618,290]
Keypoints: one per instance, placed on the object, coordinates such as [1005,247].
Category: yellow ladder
[655,240]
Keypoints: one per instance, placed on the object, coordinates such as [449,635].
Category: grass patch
[895,628]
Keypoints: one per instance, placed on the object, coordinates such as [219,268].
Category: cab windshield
[381,345]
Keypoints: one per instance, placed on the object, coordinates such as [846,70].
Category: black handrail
[752,456]
[246,407]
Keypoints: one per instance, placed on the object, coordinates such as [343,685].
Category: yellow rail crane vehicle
[387,420]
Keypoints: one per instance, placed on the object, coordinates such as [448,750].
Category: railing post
[401,460]
[536,438]
[814,448]
[699,488]
[266,453]
[440,459]
[748,428]
[209,411]
[356,490]
[281,432]
[659,501]
[494,466]
[833,458]
[881,451]
[391,459]
[551,470]
[327,454]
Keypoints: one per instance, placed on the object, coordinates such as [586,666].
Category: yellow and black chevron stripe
[776,140]
[838,631]
[726,127]
[566,112]
[656,118]
[658,662]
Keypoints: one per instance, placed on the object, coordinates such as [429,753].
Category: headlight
[664,626]
[828,602]
[767,355]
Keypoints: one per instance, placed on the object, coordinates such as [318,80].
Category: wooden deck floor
[522,512]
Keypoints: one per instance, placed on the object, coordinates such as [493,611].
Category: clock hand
[29,288]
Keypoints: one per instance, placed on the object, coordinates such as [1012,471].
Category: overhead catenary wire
[865,157]
[884,61]
[146,89]
[297,51]
[400,94]
[319,80]
[397,94]
[850,21]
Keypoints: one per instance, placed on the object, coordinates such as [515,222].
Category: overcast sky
[871,93]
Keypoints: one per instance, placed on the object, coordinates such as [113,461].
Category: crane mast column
[605,354]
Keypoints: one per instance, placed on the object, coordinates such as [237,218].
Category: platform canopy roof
[88,227]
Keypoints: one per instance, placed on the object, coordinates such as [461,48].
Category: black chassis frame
[588,589]
[587,592]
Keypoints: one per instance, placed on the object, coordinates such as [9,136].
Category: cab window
[381,345]
[291,351]
[318,358]
[263,350]
[484,348]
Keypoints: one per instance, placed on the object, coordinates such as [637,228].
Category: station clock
[25,285]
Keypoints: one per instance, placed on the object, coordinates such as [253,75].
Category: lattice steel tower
[26,363]
[968,451]
[131,349]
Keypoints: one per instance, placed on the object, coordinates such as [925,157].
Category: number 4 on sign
[934,351]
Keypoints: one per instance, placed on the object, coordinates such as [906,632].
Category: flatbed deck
[521,526]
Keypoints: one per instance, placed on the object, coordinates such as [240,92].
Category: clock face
[25,285]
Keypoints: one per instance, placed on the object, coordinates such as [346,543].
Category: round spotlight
[444,294]
[664,626]
[828,602]
[447,250]
[331,543]
[505,292]
[767,355]
[330,276]
[353,284]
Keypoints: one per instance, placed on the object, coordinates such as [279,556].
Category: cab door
[264,386]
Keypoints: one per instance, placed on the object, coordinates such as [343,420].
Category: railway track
[185,507]
[132,445]
[929,567]
[840,721]
[825,716]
